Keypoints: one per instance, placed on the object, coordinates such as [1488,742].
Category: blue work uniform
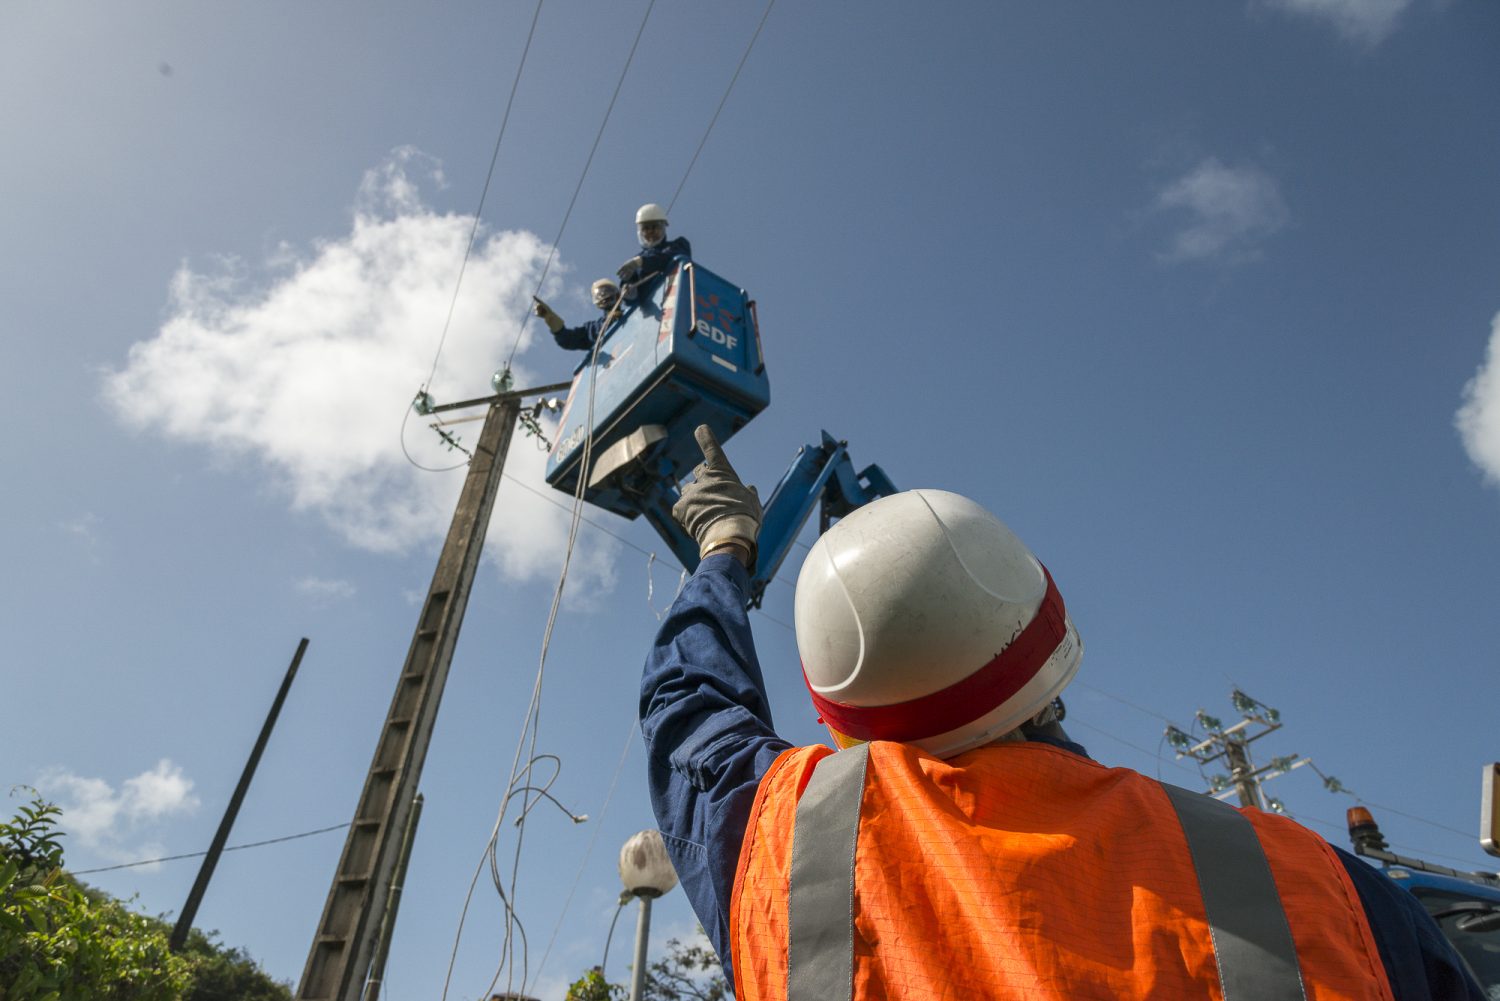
[709,741]
[579,338]
[655,262]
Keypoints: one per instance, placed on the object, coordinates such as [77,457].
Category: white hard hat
[650,212]
[922,618]
[603,293]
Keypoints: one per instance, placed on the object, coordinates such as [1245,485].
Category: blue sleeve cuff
[725,563]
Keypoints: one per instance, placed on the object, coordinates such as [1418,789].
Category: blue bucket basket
[687,354]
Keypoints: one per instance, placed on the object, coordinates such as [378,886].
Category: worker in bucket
[606,295]
[658,254]
[958,844]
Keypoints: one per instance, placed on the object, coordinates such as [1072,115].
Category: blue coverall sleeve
[1419,961]
[579,338]
[709,737]
[660,258]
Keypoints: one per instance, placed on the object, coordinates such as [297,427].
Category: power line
[551,254]
[1123,701]
[1304,818]
[713,121]
[474,230]
[1412,816]
[1122,740]
[231,848]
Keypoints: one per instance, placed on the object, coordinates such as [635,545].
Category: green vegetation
[63,941]
[685,973]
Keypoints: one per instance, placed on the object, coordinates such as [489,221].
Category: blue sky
[1201,299]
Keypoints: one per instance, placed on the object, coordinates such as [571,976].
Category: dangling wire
[406,452]
[585,467]
[529,729]
[604,963]
[609,796]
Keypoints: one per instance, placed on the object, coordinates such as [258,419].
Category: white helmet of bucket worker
[650,212]
[648,215]
[921,618]
[604,293]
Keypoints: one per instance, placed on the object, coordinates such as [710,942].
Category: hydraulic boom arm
[821,474]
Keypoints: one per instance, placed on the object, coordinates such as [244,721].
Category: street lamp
[647,873]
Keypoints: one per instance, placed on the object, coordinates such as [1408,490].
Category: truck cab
[1465,905]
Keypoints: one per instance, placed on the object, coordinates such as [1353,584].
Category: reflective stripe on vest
[1252,942]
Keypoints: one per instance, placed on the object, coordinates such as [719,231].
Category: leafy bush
[685,973]
[63,941]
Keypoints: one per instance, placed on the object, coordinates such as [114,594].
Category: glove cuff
[554,322]
[740,528]
[737,547]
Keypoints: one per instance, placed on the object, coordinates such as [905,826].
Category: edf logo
[716,335]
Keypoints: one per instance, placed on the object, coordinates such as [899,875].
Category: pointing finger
[713,452]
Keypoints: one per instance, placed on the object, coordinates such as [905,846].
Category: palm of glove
[716,507]
[630,269]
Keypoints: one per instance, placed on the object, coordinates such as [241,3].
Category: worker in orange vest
[958,844]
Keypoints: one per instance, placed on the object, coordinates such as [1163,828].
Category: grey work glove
[716,507]
[540,308]
[630,269]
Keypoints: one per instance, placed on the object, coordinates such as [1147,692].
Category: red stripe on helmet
[965,700]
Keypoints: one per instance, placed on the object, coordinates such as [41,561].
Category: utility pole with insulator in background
[1231,744]
[345,940]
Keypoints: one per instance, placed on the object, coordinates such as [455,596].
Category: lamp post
[647,873]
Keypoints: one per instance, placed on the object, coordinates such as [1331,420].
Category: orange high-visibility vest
[1019,870]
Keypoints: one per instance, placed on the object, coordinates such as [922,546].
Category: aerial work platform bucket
[688,354]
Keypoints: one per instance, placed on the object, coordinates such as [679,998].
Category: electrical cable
[604,964]
[404,451]
[713,121]
[1357,798]
[541,966]
[1467,835]
[585,468]
[529,725]
[474,230]
[551,254]
[1122,701]
[1120,740]
[531,722]
[1422,853]
[469,247]
[230,848]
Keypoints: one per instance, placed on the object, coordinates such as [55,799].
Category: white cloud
[1365,21]
[117,824]
[307,367]
[321,589]
[1478,420]
[1230,209]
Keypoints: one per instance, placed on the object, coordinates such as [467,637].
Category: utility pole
[345,939]
[1232,744]
[216,847]
[393,905]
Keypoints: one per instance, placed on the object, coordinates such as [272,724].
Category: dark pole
[206,872]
